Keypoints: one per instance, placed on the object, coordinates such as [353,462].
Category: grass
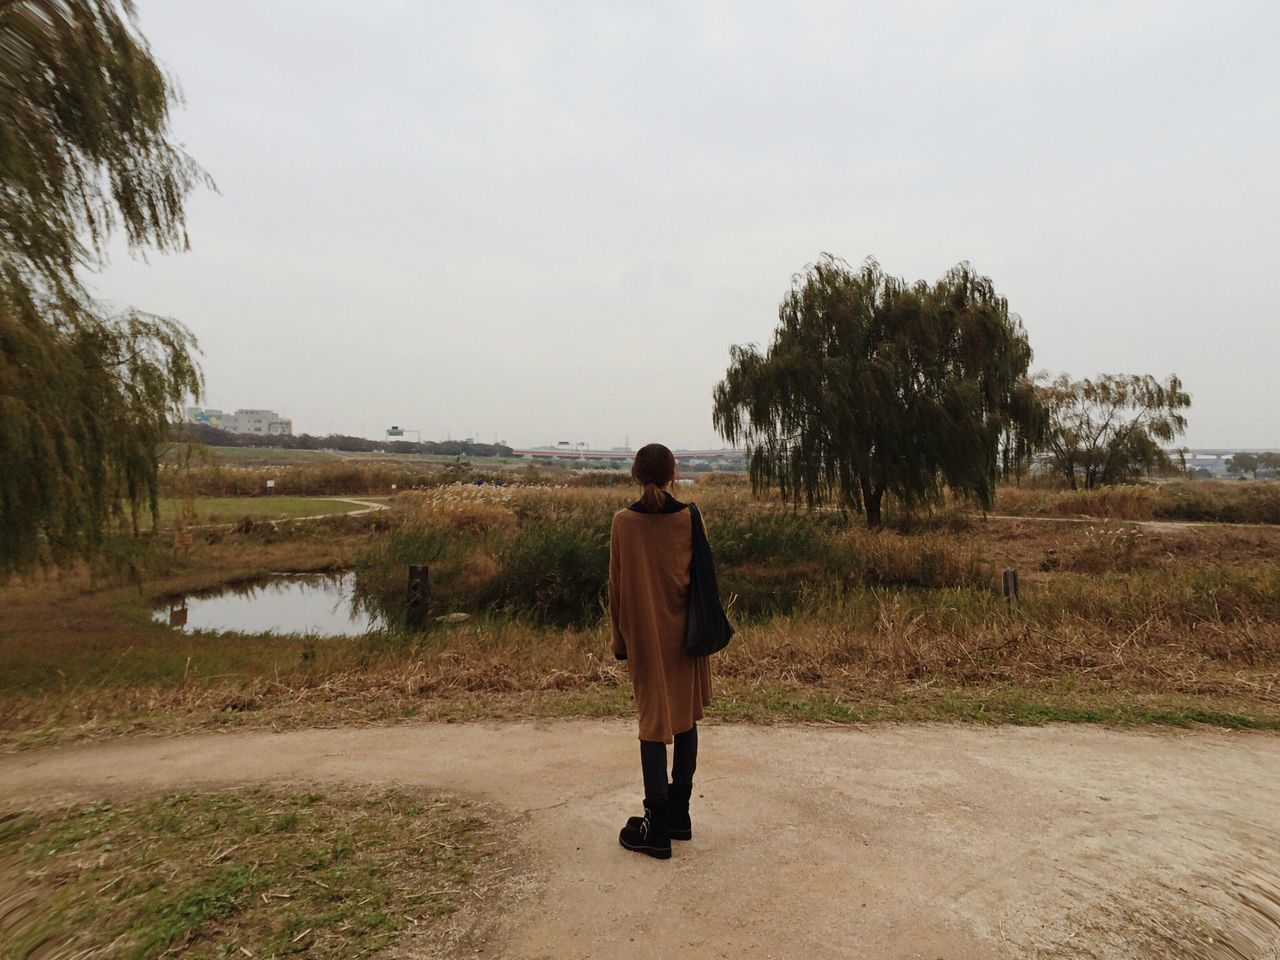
[543,554]
[272,456]
[329,874]
[1211,501]
[202,510]
[284,457]
[242,471]
[1115,624]
[208,473]
[389,696]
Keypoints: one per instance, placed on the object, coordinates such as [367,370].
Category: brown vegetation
[1215,501]
[1113,623]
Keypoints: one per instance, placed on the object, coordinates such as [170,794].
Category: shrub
[554,571]
[761,534]
[1107,548]
[543,553]
[601,478]
[1222,502]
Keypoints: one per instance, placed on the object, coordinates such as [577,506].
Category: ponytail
[652,498]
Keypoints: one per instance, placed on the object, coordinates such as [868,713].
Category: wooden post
[1010,586]
[417,596]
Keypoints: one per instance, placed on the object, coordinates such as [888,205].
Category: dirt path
[890,842]
[366,506]
[1155,526]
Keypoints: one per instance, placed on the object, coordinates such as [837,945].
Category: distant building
[259,421]
[262,422]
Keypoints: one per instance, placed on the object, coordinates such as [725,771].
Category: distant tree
[85,396]
[1111,429]
[1269,461]
[1242,463]
[215,437]
[873,385]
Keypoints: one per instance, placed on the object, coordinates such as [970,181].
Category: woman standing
[650,548]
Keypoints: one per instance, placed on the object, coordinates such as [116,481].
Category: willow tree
[1111,428]
[873,385]
[85,154]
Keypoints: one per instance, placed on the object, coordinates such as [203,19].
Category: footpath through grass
[250,873]
[205,510]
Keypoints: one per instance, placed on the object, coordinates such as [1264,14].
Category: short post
[183,537]
[1010,586]
[417,596]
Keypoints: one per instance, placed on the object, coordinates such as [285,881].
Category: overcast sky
[549,221]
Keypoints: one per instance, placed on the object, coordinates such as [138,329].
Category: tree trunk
[871,497]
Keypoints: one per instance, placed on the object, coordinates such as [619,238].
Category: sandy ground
[888,842]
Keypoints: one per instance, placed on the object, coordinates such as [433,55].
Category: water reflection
[318,604]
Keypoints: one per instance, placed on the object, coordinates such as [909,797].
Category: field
[278,456]
[1211,501]
[215,510]
[1116,622]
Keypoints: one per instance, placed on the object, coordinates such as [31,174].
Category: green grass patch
[247,873]
[202,510]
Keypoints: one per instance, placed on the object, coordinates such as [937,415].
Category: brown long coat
[649,557]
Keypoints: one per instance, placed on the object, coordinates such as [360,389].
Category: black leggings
[653,762]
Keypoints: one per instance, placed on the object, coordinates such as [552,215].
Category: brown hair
[654,468]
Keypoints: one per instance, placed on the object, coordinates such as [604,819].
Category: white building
[258,421]
[263,422]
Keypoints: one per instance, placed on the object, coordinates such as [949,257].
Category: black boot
[678,825]
[648,834]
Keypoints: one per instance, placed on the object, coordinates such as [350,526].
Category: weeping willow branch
[85,154]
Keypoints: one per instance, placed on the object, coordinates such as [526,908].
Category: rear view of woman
[649,554]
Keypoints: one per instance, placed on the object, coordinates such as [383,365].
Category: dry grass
[1213,501]
[542,553]
[1111,625]
[1123,502]
[236,873]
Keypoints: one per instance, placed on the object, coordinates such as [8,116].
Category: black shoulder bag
[708,629]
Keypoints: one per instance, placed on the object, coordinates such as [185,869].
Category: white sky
[549,221]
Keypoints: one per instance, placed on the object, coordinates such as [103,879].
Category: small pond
[318,604]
